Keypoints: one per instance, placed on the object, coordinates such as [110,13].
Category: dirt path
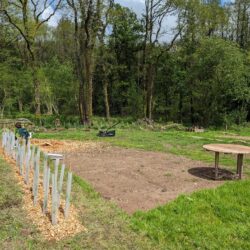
[245,138]
[135,179]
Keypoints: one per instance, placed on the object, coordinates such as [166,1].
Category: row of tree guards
[28,161]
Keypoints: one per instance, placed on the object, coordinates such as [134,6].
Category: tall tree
[87,20]
[156,12]
[242,11]
[26,16]
[104,54]
[124,45]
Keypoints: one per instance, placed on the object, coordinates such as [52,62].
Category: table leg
[217,154]
[240,165]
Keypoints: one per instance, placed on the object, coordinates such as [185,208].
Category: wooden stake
[32,157]
[27,167]
[60,183]
[3,139]
[22,152]
[17,154]
[13,145]
[38,156]
[56,168]
[24,158]
[68,191]
[36,180]
[46,192]
[45,168]
[54,200]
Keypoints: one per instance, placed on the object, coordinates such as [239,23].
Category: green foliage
[203,79]
[15,81]
[58,87]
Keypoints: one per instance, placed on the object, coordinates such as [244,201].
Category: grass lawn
[209,219]
[187,144]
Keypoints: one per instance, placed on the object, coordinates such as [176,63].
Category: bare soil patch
[136,179]
[246,138]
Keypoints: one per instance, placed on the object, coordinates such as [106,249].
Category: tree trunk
[55,108]
[180,106]
[36,84]
[81,100]
[20,105]
[192,109]
[1,111]
[49,108]
[106,97]
[149,93]
[37,96]
[84,118]
[88,65]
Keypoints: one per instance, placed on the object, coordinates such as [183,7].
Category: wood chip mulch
[49,145]
[64,228]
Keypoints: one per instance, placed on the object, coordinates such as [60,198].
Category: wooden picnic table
[238,150]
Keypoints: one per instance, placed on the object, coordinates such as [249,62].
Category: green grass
[208,219]
[108,227]
[180,143]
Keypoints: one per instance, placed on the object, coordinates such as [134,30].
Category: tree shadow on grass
[208,173]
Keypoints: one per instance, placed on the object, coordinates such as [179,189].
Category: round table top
[227,148]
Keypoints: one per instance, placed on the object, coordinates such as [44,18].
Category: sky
[136,5]
[54,19]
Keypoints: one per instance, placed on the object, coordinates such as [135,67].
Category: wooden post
[13,141]
[45,168]
[3,139]
[68,191]
[17,154]
[8,144]
[22,155]
[60,184]
[36,180]
[38,156]
[27,166]
[32,157]
[240,165]
[56,169]
[54,200]
[46,192]
[24,158]
[217,154]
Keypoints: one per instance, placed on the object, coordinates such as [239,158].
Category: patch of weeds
[168,174]
[10,202]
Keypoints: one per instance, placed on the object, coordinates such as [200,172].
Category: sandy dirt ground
[135,179]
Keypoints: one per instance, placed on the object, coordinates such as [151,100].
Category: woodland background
[104,60]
